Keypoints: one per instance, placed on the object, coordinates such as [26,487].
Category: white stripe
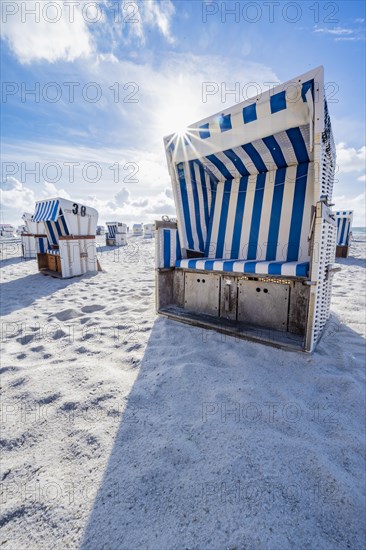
[216,220]
[304,255]
[229,231]
[192,214]
[265,216]
[200,202]
[262,267]
[289,268]
[286,212]
[248,212]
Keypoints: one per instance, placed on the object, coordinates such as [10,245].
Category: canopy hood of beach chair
[73,218]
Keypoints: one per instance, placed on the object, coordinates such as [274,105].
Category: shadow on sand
[200,461]
[23,291]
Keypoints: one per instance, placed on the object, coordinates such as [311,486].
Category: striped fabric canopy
[47,211]
[344,226]
[251,202]
[112,229]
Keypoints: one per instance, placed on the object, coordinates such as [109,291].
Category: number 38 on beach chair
[344,232]
[69,248]
[253,249]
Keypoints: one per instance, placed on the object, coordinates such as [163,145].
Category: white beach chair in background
[344,232]
[137,229]
[253,249]
[149,230]
[70,228]
[33,238]
[116,234]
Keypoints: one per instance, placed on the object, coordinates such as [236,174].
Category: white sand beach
[124,431]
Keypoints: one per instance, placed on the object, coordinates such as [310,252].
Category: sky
[89,90]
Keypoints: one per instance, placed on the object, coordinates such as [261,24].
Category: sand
[122,430]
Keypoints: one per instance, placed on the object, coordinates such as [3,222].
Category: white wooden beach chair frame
[31,235]
[287,303]
[69,247]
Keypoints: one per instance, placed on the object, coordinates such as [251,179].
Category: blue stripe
[166,248]
[298,144]
[237,162]
[41,246]
[54,211]
[256,217]
[209,264]
[178,251]
[297,212]
[52,235]
[275,151]
[239,215]
[228,265]
[192,263]
[196,207]
[278,102]
[255,157]
[204,193]
[275,219]
[187,218]
[249,267]
[209,232]
[302,269]
[220,166]
[308,85]
[223,219]
[275,268]
[342,230]
[58,228]
[63,221]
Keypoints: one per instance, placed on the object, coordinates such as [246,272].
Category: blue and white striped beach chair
[344,232]
[116,234]
[253,249]
[70,228]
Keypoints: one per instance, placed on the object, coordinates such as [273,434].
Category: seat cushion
[54,252]
[289,269]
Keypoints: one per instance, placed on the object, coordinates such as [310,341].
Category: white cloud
[36,38]
[138,17]
[122,197]
[16,196]
[357,204]
[362,178]
[50,191]
[350,159]
[58,30]
[335,30]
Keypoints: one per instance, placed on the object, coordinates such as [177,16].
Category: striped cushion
[344,226]
[289,269]
[54,252]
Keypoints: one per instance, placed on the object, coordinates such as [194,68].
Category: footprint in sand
[92,309]
[48,399]
[67,314]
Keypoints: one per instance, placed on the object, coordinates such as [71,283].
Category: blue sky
[111,78]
